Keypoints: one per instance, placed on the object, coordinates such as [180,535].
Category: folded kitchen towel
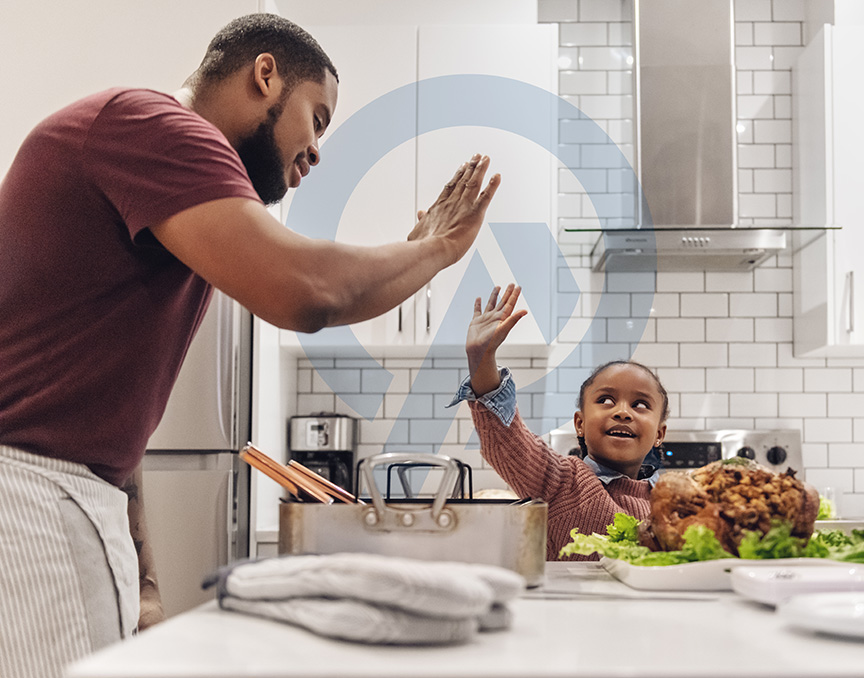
[373,598]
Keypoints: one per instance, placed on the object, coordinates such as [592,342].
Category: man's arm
[151,601]
[304,284]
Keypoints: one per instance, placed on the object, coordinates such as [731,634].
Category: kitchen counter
[581,622]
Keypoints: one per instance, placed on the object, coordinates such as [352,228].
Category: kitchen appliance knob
[776,455]
[747,452]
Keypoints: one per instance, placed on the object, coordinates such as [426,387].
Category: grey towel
[374,599]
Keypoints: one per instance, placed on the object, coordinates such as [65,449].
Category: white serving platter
[706,575]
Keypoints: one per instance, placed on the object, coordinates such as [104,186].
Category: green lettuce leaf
[827,511]
[660,558]
[833,538]
[701,544]
[621,542]
[586,544]
[816,548]
[623,528]
[848,548]
[777,542]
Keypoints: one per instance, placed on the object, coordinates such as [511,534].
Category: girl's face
[621,418]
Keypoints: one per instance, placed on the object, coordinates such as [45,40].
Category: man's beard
[263,161]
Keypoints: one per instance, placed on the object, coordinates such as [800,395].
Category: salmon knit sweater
[576,496]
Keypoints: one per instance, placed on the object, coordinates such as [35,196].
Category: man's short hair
[298,55]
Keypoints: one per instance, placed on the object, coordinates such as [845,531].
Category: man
[117,217]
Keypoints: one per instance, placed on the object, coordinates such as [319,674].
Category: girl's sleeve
[529,466]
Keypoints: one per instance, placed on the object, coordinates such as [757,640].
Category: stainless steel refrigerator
[196,489]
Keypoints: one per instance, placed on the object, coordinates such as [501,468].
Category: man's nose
[313,154]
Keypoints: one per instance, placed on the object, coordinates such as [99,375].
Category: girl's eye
[642,404]
[605,400]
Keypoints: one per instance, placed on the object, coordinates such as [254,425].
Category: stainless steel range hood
[684,250]
[687,141]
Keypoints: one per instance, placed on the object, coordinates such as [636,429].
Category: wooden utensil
[296,478]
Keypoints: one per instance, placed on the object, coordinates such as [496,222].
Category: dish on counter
[703,575]
[772,585]
[837,613]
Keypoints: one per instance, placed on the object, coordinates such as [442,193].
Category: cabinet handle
[428,308]
[851,323]
[399,321]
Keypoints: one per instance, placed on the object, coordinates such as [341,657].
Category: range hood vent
[685,111]
[687,146]
[703,250]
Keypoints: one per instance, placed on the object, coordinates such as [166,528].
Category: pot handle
[380,511]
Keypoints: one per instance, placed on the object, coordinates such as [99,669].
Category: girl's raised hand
[488,329]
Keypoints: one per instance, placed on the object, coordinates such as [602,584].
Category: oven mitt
[358,621]
[373,598]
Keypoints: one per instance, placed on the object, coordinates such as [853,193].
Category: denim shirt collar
[606,475]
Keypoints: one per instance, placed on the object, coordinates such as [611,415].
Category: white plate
[840,613]
[706,575]
[770,585]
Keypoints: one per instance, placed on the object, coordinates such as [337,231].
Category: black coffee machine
[326,444]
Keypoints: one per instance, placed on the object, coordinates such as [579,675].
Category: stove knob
[747,452]
[776,455]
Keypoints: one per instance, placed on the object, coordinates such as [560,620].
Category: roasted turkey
[728,496]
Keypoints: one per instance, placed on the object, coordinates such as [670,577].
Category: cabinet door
[527,54]
[847,194]
[813,146]
[812,293]
[812,256]
[829,106]
[372,62]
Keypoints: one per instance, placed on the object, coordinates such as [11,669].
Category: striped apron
[68,567]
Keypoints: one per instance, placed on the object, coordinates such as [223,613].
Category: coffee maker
[326,444]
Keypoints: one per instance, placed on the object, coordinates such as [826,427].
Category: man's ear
[266,76]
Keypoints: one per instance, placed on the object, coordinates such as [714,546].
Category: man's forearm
[151,601]
[369,281]
[304,284]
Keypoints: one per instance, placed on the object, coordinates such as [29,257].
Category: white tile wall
[721,342]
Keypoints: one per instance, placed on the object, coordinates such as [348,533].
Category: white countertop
[580,623]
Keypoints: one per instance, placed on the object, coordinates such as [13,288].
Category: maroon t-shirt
[95,315]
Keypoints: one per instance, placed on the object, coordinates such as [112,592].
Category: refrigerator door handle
[227,366]
[230,552]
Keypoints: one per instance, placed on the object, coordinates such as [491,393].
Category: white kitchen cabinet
[829,145]
[375,62]
[372,61]
[522,53]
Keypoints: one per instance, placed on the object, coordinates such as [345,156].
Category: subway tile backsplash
[721,342]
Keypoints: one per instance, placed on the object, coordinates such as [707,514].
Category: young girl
[621,417]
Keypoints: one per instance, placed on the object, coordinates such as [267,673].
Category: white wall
[56,51]
[407,12]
